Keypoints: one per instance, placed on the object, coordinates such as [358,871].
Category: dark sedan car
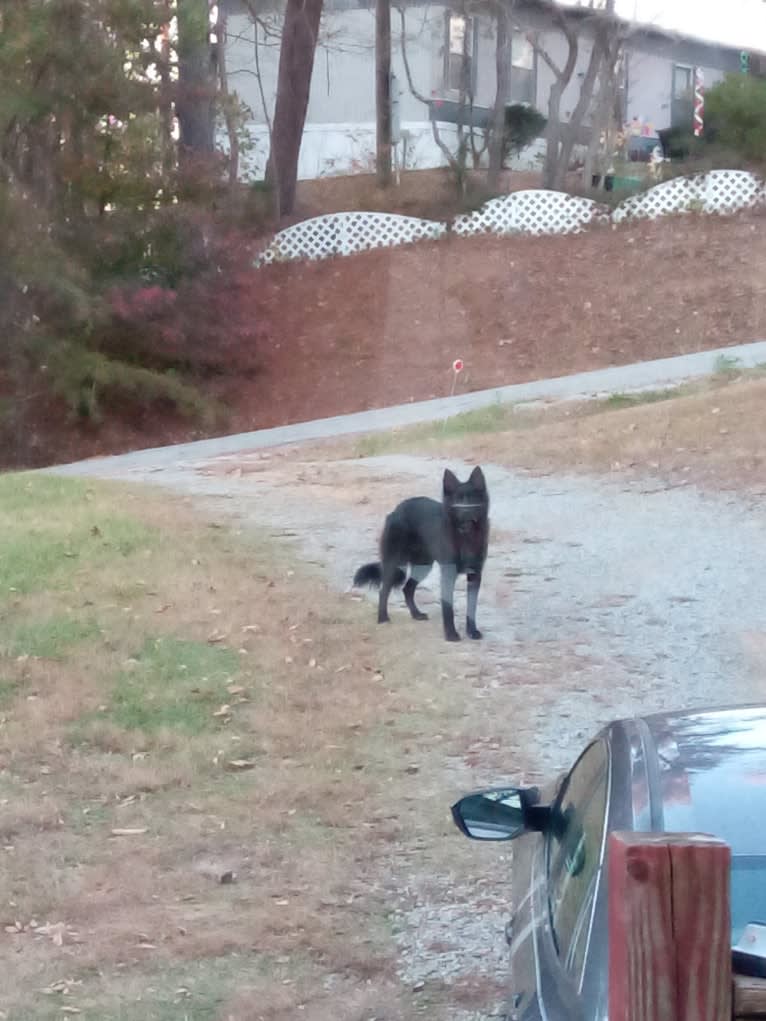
[701,772]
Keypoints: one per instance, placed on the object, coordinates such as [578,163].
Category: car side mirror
[494,814]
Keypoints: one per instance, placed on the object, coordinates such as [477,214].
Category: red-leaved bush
[205,323]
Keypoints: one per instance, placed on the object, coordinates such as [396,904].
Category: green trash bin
[627,183]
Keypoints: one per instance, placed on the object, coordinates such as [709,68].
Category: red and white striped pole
[699,101]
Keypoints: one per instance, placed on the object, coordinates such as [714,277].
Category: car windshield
[748,892]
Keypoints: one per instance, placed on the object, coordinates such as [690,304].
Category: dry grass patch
[179,708]
[707,433]
[710,438]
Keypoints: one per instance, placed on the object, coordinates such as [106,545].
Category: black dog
[420,531]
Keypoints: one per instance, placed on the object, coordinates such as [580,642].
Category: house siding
[339,136]
[650,74]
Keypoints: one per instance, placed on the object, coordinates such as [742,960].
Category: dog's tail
[372,575]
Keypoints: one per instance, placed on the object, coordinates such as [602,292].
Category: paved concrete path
[584,385]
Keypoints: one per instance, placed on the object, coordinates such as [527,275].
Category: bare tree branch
[405,60]
[609,35]
[444,148]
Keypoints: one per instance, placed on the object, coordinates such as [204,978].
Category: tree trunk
[571,129]
[553,136]
[502,94]
[561,78]
[599,127]
[196,88]
[231,127]
[383,92]
[605,115]
[464,103]
[296,64]
[166,102]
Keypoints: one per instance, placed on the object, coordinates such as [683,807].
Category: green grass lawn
[179,703]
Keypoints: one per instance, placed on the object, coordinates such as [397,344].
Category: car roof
[712,773]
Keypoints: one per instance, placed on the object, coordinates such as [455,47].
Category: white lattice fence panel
[719,191]
[346,233]
[533,211]
[728,190]
[669,197]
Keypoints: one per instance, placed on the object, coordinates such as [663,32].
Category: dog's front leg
[449,576]
[474,584]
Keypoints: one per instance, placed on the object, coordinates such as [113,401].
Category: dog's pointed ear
[477,479]
[450,483]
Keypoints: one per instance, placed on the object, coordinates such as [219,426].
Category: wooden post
[669,928]
[383,92]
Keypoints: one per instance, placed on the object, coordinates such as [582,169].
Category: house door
[682,98]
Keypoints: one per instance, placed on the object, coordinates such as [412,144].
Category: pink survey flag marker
[457,367]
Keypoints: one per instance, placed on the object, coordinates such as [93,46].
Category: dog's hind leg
[393,576]
[385,589]
[417,574]
[474,583]
[391,556]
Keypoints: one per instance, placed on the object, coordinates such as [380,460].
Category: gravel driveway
[601,598]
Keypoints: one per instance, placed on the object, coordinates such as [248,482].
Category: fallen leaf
[241,763]
[56,931]
[223,874]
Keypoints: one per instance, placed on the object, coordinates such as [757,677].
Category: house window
[458,64]
[683,82]
[523,79]
[682,98]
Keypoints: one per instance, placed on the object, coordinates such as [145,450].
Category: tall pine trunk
[195,104]
[383,92]
[296,64]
